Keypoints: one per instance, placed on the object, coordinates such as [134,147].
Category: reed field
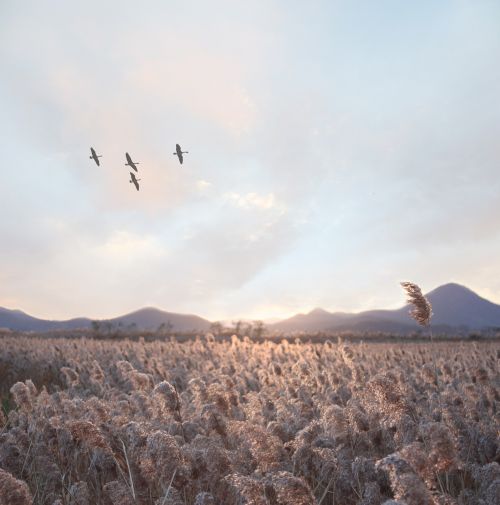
[208,422]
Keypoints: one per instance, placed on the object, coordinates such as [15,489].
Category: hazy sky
[335,148]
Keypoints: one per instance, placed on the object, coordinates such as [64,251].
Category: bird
[130,163]
[134,181]
[94,156]
[179,152]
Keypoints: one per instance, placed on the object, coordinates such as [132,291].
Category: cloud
[203,186]
[125,248]
[255,201]
[328,155]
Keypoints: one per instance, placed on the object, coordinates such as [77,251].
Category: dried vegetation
[238,422]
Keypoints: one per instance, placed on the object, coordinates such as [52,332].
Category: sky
[336,148]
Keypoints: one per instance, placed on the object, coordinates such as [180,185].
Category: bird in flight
[179,152]
[130,163]
[134,181]
[94,156]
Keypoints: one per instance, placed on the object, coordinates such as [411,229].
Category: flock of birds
[133,164]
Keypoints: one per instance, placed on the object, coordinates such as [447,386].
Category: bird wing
[94,156]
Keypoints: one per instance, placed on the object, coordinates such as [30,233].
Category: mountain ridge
[147,318]
[454,306]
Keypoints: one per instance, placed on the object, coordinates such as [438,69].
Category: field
[204,422]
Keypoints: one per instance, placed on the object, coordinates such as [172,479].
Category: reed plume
[422,308]
[308,432]
[13,491]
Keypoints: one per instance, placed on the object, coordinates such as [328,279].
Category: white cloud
[125,248]
[255,201]
[203,186]
[325,160]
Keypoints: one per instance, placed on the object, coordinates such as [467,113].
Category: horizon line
[225,319]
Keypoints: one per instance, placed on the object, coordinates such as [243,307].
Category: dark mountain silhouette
[20,321]
[146,319]
[457,305]
[453,306]
[150,319]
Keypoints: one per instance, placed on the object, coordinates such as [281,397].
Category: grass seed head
[13,491]
[422,308]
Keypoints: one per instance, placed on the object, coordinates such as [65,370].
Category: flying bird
[134,181]
[130,163]
[94,156]
[179,152]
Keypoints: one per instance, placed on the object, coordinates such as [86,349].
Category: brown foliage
[208,422]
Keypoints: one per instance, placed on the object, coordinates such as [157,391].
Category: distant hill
[146,319]
[453,306]
[20,321]
[151,318]
[457,305]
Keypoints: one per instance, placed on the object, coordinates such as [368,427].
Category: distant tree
[237,327]
[216,328]
[258,329]
[108,326]
[165,328]
[246,331]
[96,326]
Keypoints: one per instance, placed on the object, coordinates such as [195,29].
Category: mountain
[151,318]
[453,306]
[20,321]
[146,319]
[457,305]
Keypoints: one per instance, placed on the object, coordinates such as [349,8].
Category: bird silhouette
[179,152]
[131,163]
[94,156]
[134,181]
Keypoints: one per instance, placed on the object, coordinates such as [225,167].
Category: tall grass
[238,422]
